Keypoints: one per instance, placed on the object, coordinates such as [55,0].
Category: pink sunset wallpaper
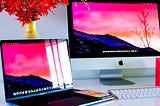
[35,66]
[25,60]
[124,21]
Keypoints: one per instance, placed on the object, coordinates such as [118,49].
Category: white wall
[53,26]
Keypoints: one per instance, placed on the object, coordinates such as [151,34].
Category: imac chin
[114,71]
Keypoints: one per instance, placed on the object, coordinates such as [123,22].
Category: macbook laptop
[38,72]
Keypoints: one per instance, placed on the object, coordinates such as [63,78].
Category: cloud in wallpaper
[116,19]
[25,60]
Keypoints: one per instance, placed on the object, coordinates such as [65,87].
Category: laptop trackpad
[73,101]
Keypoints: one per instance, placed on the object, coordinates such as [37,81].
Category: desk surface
[94,84]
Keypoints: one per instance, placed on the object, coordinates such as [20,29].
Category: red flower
[29,10]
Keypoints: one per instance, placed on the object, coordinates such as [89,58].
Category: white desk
[94,84]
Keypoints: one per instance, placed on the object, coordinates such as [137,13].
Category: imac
[112,36]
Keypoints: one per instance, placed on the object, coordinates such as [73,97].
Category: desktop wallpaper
[116,26]
[25,60]
[26,69]
[32,67]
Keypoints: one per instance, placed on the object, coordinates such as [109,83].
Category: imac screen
[105,29]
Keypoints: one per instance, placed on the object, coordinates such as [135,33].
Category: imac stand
[113,77]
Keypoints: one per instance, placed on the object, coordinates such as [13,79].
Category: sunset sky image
[120,20]
[25,60]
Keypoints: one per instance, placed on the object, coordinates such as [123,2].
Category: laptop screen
[35,67]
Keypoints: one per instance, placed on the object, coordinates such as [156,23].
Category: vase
[30,30]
